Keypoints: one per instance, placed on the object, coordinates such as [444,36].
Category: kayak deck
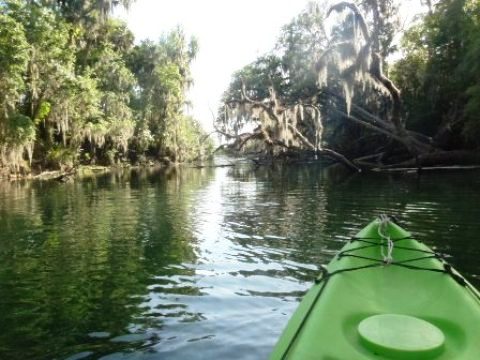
[413,289]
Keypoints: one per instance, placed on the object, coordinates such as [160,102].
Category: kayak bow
[385,296]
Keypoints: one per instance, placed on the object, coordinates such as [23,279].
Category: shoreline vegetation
[68,174]
[328,90]
[77,92]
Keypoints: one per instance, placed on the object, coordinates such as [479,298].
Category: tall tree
[163,73]
[69,91]
[17,132]
[271,104]
[358,59]
[279,89]
[439,74]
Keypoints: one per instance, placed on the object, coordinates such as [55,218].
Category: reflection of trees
[442,211]
[285,210]
[311,211]
[84,257]
[125,253]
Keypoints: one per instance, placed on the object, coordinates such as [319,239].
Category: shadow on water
[213,261]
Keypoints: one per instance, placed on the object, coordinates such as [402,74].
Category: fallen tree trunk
[340,158]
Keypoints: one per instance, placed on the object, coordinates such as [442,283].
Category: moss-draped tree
[75,89]
[355,89]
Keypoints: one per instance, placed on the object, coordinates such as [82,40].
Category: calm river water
[198,263]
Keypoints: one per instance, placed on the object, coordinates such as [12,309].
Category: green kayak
[385,296]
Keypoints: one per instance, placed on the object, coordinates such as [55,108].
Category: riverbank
[68,174]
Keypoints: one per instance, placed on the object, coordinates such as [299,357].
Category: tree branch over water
[283,110]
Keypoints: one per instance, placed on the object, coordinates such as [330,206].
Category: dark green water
[198,264]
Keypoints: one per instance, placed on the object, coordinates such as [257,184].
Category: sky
[231,34]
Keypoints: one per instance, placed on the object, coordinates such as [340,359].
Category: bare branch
[339,157]
[408,141]
[206,136]
[301,137]
[375,119]
[377,72]
[369,125]
[341,6]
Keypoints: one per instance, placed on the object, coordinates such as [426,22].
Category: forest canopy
[76,88]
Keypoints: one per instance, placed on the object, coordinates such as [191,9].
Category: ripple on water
[193,264]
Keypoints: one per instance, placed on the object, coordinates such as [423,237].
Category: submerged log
[428,169]
[441,158]
[339,157]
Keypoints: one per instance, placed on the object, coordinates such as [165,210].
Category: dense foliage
[427,102]
[75,89]
[440,74]
[293,69]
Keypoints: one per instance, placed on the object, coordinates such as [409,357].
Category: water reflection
[148,264]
